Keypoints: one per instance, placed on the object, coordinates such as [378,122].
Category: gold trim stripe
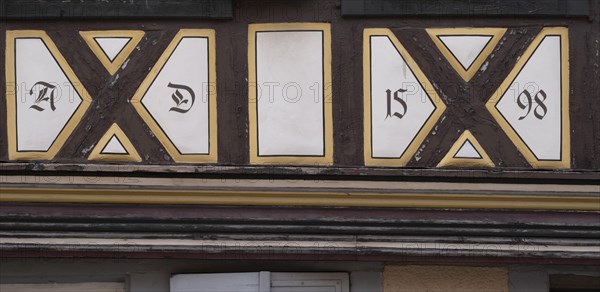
[299,198]
[264,184]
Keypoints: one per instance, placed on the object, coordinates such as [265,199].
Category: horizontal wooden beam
[295,247]
[302,172]
[531,8]
[439,200]
[41,9]
[20,219]
[298,192]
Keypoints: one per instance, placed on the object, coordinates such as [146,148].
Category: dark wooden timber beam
[531,8]
[202,220]
[53,9]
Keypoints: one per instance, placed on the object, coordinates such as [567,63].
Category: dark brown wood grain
[43,170]
[288,226]
[409,256]
[3,117]
[111,9]
[531,8]
[585,90]
[331,221]
[112,95]
[465,101]
[592,92]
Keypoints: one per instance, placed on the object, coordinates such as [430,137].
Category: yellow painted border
[115,130]
[298,198]
[11,91]
[565,162]
[211,157]
[440,107]
[112,67]
[450,161]
[495,33]
[327,159]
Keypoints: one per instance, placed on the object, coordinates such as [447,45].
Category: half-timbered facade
[333,145]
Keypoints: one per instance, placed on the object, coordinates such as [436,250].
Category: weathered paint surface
[465,101]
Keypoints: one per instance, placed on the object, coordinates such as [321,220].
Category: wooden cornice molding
[323,193]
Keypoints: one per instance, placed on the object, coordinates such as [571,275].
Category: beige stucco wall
[444,278]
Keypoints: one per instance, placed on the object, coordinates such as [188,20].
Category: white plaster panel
[187,66]
[112,46]
[467,151]
[541,72]
[391,135]
[289,74]
[36,130]
[465,48]
[114,146]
